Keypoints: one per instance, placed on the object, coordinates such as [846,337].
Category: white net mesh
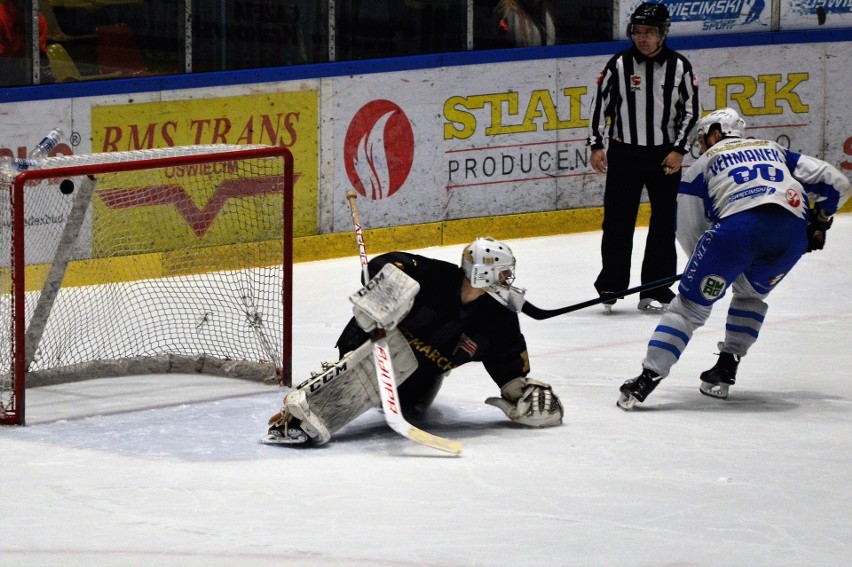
[169,267]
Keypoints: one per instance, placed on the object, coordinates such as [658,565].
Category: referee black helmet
[651,14]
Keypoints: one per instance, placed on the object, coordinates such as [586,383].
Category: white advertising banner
[437,144]
[474,141]
[462,142]
[696,17]
[237,114]
[811,14]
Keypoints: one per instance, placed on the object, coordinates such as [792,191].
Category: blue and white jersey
[737,174]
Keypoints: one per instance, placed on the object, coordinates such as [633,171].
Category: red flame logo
[378,149]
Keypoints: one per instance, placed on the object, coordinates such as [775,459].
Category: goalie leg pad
[327,401]
[296,404]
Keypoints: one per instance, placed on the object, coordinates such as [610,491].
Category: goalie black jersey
[443,332]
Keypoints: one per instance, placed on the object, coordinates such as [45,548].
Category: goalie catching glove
[385,300]
[529,402]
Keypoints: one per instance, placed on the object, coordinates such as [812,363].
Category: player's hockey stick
[384,366]
[538,313]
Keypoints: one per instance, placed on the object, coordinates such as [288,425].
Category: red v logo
[199,220]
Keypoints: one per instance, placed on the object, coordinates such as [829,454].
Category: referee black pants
[630,168]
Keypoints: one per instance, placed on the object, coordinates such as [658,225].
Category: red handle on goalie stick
[537,313]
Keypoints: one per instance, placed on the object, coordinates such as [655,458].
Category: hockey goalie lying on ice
[437,316]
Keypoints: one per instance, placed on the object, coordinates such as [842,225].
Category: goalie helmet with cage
[488,263]
[726,120]
[651,14]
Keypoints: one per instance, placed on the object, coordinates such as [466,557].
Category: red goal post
[163,261]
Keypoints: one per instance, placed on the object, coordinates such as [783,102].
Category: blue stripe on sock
[665,346]
[746,314]
[673,332]
[740,329]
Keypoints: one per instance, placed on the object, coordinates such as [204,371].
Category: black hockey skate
[284,435]
[637,389]
[656,303]
[716,381]
[284,429]
[652,306]
[607,305]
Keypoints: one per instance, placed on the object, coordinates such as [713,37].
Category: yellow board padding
[156,265]
[325,246]
[311,248]
[221,258]
[503,227]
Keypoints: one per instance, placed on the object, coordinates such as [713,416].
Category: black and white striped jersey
[648,101]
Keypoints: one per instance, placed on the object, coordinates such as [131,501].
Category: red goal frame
[17,414]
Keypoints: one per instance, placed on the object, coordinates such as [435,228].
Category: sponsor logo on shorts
[712,287]
[777,278]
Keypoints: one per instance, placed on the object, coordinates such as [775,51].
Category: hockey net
[163,261]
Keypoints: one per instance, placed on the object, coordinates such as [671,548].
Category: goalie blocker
[437,316]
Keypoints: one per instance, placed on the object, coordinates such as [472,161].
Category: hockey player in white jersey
[439,316]
[747,211]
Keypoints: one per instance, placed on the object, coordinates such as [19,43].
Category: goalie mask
[726,120]
[488,263]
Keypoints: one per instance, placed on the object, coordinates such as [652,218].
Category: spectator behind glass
[526,23]
[13,51]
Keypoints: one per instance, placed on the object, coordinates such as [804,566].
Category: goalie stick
[537,313]
[384,366]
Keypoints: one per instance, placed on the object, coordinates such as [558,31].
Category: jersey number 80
[744,174]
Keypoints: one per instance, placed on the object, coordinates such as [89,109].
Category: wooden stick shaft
[359,234]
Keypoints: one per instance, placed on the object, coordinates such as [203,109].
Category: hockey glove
[818,224]
[529,402]
[385,300]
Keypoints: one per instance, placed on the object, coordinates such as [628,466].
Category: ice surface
[167,471]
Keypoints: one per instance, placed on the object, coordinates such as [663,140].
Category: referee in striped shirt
[649,96]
